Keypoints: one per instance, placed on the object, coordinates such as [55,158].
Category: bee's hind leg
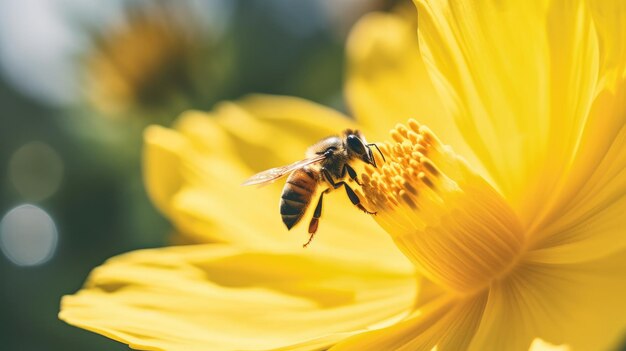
[316,219]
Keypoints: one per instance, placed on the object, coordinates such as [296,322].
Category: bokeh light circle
[28,236]
[36,171]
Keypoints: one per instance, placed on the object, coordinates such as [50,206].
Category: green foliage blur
[141,64]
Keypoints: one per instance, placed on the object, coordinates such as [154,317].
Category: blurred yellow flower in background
[149,62]
[511,236]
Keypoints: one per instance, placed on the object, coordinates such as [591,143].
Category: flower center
[450,222]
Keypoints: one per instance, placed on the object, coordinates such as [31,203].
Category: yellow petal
[580,305]
[387,81]
[583,221]
[610,22]
[161,164]
[221,298]
[446,323]
[194,175]
[270,131]
[586,218]
[576,306]
[520,78]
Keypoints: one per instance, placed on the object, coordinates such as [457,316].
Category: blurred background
[80,80]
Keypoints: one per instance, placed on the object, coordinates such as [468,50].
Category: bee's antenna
[380,152]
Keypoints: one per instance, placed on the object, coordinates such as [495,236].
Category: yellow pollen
[456,229]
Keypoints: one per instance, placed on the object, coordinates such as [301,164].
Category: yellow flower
[519,240]
[146,62]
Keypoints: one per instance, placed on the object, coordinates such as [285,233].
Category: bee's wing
[270,175]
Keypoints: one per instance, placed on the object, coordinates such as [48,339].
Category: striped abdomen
[297,195]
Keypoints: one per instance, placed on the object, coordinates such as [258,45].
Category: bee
[326,164]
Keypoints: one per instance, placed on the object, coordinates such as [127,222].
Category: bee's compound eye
[355,144]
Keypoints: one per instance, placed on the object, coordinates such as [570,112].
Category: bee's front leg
[354,198]
[351,173]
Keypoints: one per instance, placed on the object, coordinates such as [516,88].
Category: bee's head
[359,148]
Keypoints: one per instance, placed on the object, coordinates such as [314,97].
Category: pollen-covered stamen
[451,223]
